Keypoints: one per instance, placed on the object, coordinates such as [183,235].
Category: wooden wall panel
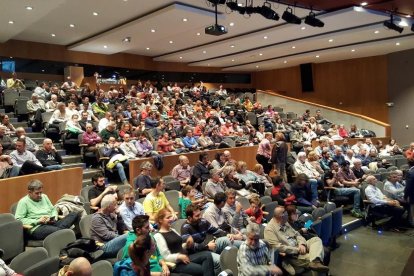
[356,85]
[55,183]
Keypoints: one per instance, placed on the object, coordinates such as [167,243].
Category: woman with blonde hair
[313,159]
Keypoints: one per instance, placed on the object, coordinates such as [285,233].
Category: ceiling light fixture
[95,13]
[285,62]
[330,40]
[127,39]
[231,24]
[260,54]
[181,57]
[105,46]
[311,20]
[185,19]
[232,46]
[267,12]
[353,50]
[11,22]
[376,32]
[72,25]
[257,66]
[391,25]
[198,33]
[152,30]
[53,35]
[147,48]
[291,18]
[232,60]
[317,56]
[171,42]
[265,37]
[364,4]
[303,28]
[293,47]
[29,8]
[397,44]
[204,52]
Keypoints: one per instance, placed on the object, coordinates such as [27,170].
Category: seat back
[337,222]
[176,225]
[244,202]
[400,160]
[11,246]
[20,107]
[13,208]
[230,142]
[326,229]
[10,97]
[172,197]
[329,207]
[265,199]
[318,213]
[228,259]
[392,168]
[102,268]
[58,240]
[47,266]
[270,208]
[252,117]
[317,226]
[28,259]
[85,226]
[26,93]
[380,185]
[140,200]
[171,183]
[4,218]
[84,192]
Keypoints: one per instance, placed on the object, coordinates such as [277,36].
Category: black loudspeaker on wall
[306,77]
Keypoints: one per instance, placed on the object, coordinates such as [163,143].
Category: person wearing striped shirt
[253,257]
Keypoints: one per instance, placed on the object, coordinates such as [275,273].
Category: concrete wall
[401,93]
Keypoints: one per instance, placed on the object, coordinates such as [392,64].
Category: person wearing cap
[143,181]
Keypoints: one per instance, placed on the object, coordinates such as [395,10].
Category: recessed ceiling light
[95,13]
[147,48]
[53,35]
[204,52]
[353,50]
[265,37]
[317,56]
[198,34]
[171,42]
[105,46]
[364,3]
[185,19]
[408,16]
[11,22]
[232,60]
[152,30]
[293,47]
[29,8]
[257,66]
[11,57]
[181,57]
[285,62]
[403,23]
[240,4]
[127,39]
[376,32]
[232,46]
[208,64]
[303,28]
[330,40]
[231,24]
[397,44]
[260,54]
[43,70]
[72,25]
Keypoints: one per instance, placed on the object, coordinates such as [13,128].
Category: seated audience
[128,147]
[49,157]
[190,142]
[234,214]
[25,160]
[201,170]
[299,252]
[382,204]
[253,256]
[78,267]
[130,208]
[36,211]
[117,159]
[107,226]
[156,200]
[143,181]
[170,244]
[99,190]
[255,211]
[182,171]
[214,184]
[108,132]
[30,144]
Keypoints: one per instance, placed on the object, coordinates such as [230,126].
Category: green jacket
[154,259]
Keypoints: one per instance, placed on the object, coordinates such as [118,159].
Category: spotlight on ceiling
[267,12]
[217,2]
[289,17]
[234,6]
[127,39]
[311,20]
[391,25]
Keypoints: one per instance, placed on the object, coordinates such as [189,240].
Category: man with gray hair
[284,238]
[253,257]
[107,225]
[37,211]
[182,171]
[48,156]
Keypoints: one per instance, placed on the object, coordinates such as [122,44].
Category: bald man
[48,156]
[284,238]
[78,267]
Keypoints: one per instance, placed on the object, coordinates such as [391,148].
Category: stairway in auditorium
[70,161]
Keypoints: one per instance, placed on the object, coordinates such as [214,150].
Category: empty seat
[85,226]
[176,225]
[102,268]
[27,259]
[244,202]
[270,208]
[11,246]
[45,267]
[326,229]
[318,213]
[173,197]
[265,199]
[58,240]
[228,259]
[337,222]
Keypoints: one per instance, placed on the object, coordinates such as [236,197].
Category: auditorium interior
[279,103]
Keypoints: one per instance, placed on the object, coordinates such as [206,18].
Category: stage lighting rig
[290,17]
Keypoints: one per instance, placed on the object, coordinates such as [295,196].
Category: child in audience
[255,211]
[188,192]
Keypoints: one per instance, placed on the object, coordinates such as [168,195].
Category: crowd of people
[147,120]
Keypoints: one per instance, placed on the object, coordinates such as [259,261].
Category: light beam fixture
[267,12]
[391,25]
[290,17]
[311,20]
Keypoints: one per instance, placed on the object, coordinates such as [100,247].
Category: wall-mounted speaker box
[306,77]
